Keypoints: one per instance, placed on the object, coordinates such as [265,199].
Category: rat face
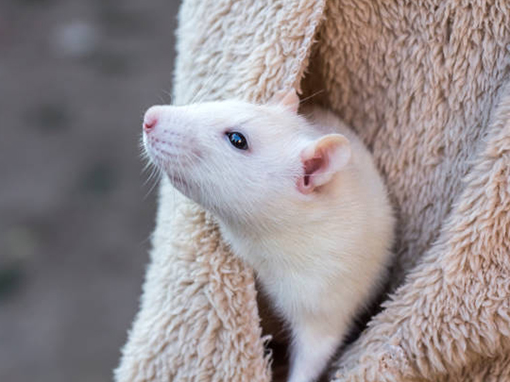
[244,162]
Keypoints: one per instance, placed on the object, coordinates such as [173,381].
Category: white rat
[298,200]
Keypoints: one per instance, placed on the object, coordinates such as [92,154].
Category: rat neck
[298,233]
[293,245]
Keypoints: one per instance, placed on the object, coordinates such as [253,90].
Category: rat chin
[182,185]
[187,187]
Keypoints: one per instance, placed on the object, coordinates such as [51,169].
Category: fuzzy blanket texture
[424,84]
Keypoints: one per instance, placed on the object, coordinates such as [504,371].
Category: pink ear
[287,98]
[321,160]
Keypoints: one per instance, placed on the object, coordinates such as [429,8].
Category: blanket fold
[424,85]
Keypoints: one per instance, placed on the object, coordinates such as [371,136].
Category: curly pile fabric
[424,83]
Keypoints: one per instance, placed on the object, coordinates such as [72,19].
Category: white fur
[319,255]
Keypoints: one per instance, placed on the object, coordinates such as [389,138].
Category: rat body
[298,200]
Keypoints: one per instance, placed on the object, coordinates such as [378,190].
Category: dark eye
[238,140]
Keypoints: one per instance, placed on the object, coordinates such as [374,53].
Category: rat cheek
[152,154]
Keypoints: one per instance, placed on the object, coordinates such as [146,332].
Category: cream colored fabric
[424,84]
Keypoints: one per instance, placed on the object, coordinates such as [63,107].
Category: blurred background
[75,215]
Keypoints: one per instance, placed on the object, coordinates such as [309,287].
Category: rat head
[246,163]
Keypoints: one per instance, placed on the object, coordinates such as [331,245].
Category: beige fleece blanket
[424,84]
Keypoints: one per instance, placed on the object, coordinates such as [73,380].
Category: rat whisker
[161,99]
[311,96]
[181,172]
[151,189]
[154,177]
[166,92]
[202,91]
[154,169]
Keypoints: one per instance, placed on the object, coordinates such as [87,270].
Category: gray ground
[75,79]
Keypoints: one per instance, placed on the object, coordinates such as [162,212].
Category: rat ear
[287,98]
[322,159]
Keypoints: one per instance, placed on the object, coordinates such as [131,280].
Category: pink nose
[149,123]
[150,120]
